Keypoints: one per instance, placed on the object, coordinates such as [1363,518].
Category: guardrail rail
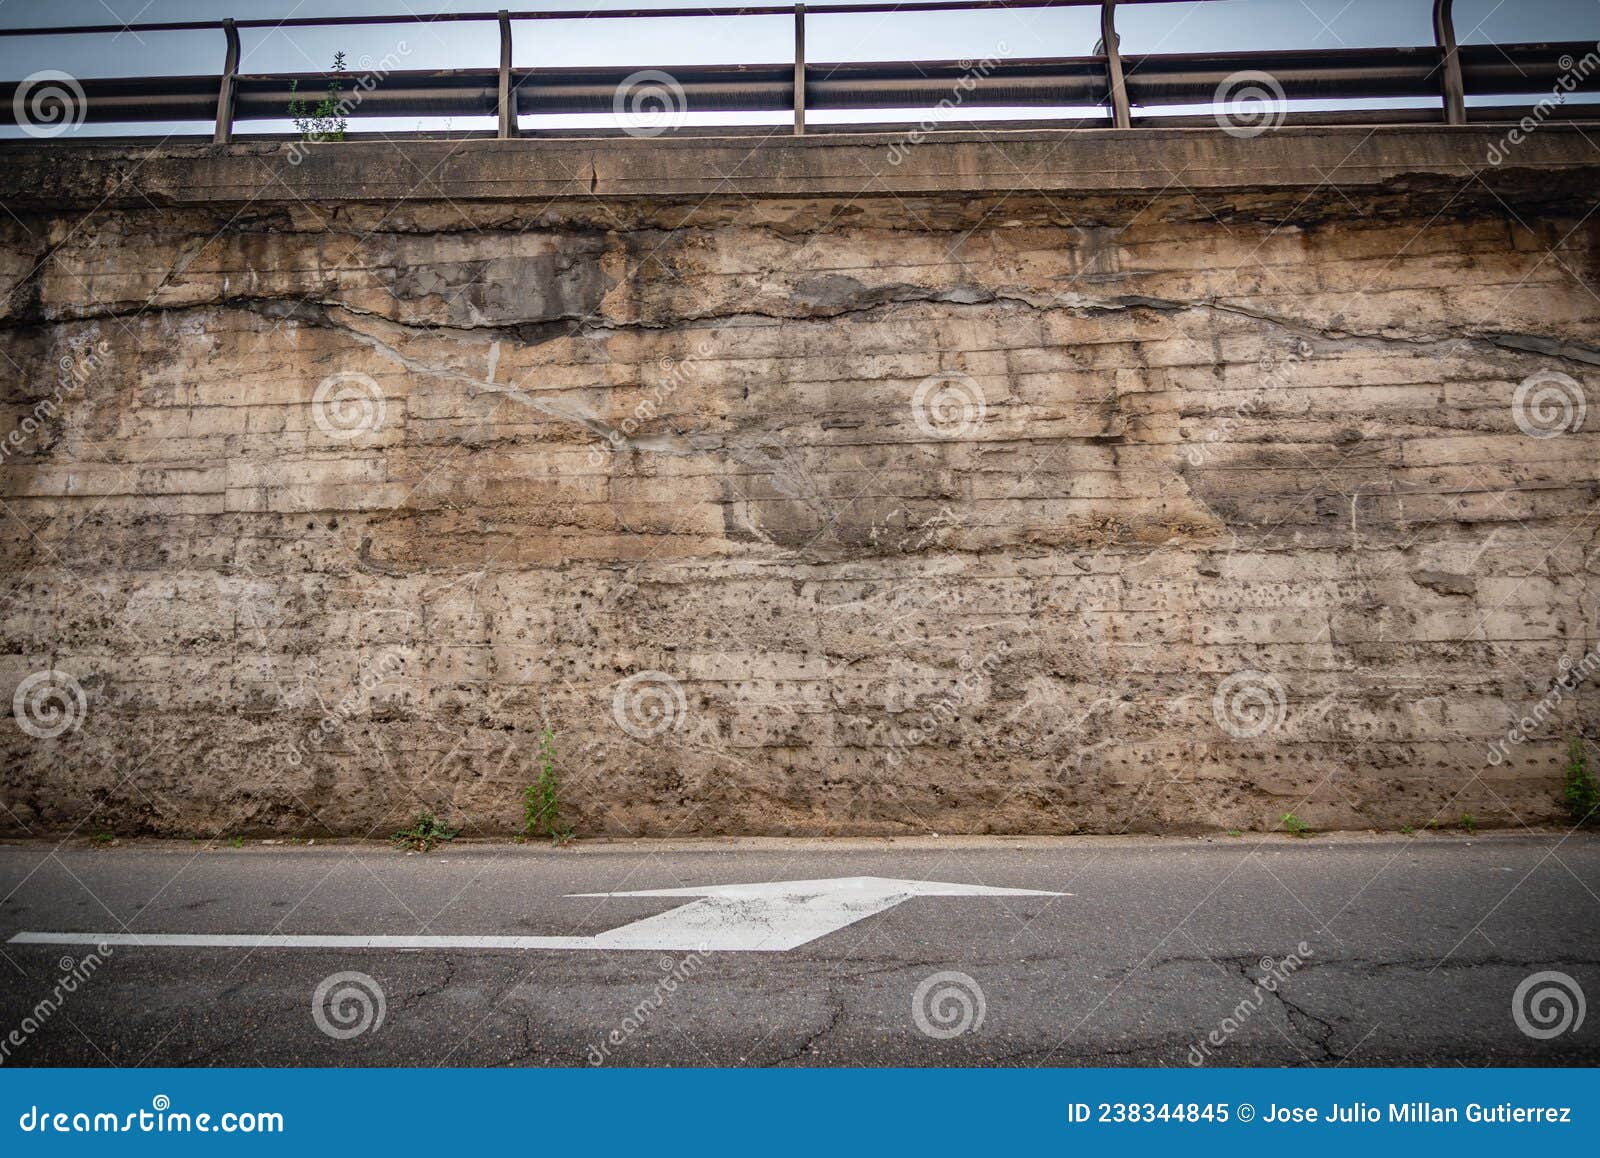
[1126,86]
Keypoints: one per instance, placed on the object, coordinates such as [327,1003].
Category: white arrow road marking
[754,918]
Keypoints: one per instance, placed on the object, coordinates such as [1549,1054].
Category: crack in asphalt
[1305,1023]
[809,1043]
[410,1000]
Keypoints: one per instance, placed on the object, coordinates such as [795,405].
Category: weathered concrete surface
[1247,439]
[1409,164]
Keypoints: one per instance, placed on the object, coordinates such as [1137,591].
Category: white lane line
[766,917]
[297,941]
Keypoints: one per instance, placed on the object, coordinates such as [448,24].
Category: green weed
[423,835]
[326,121]
[541,800]
[1579,789]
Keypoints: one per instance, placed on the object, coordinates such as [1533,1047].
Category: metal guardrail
[1444,70]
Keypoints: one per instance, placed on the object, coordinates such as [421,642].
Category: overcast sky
[907,34]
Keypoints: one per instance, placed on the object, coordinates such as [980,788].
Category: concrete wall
[1151,481]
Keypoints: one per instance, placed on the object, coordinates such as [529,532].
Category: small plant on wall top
[541,800]
[326,121]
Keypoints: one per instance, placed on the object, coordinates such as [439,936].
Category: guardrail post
[1444,35]
[1120,117]
[230,85]
[504,95]
[799,70]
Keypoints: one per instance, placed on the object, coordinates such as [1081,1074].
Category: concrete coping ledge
[1151,162]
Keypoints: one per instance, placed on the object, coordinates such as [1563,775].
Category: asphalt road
[1413,952]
